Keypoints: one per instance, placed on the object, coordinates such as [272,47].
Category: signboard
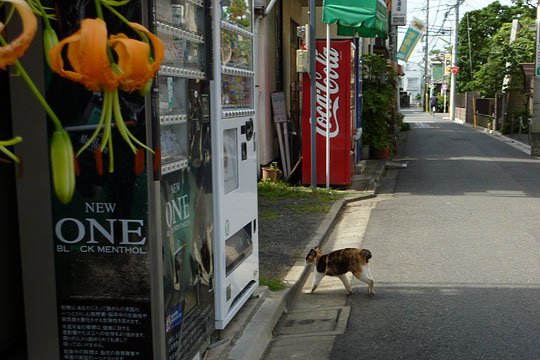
[447,63]
[454,69]
[437,73]
[399,12]
[101,245]
[412,36]
[101,238]
[278,107]
[537,73]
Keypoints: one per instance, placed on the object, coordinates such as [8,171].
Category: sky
[438,9]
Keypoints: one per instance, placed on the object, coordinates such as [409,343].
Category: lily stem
[126,21]
[44,15]
[35,91]
[99,9]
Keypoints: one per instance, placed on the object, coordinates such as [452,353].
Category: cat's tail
[366,254]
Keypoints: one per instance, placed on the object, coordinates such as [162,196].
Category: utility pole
[535,134]
[313,94]
[454,63]
[426,76]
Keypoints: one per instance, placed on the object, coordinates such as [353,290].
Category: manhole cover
[309,322]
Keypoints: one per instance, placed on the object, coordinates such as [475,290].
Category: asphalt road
[456,253]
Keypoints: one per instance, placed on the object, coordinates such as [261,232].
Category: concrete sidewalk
[249,333]
[309,328]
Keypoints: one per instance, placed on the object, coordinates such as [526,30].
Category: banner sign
[399,12]
[412,36]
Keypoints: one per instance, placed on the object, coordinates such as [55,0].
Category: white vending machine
[235,167]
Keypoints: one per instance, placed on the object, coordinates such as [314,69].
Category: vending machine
[235,166]
[143,254]
[182,206]
[341,99]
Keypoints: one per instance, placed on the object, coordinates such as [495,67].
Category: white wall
[412,81]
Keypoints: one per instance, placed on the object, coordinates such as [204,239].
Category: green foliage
[268,215]
[402,126]
[273,284]
[513,125]
[237,12]
[485,54]
[379,99]
[282,190]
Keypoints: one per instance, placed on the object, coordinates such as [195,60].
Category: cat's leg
[317,277]
[346,283]
[364,275]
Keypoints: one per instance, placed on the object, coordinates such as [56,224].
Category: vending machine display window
[172,95]
[237,91]
[236,50]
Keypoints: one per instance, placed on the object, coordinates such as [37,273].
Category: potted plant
[270,172]
[379,99]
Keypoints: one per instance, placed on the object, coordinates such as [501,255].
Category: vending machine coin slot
[250,129]
[244,151]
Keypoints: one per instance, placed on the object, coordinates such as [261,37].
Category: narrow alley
[455,258]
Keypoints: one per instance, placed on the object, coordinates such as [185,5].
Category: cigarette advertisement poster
[101,243]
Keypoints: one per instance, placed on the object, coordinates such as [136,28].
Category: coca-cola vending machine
[342,114]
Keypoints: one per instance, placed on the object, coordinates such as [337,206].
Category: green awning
[368,18]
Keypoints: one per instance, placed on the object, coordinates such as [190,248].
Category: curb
[258,332]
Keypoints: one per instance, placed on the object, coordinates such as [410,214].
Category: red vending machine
[342,112]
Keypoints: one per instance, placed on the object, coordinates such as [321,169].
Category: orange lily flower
[90,55]
[16,48]
[87,55]
[134,58]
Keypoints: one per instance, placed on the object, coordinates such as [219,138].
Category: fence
[485,112]
[464,106]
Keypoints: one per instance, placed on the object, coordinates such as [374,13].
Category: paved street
[456,252]
[456,258]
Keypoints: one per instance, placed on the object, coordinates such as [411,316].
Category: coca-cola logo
[332,76]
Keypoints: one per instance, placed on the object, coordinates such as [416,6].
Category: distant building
[411,82]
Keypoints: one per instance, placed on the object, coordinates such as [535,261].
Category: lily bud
[62,166]
[50,40]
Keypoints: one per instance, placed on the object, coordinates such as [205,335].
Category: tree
[477,37]
[504,59]
[380,81]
